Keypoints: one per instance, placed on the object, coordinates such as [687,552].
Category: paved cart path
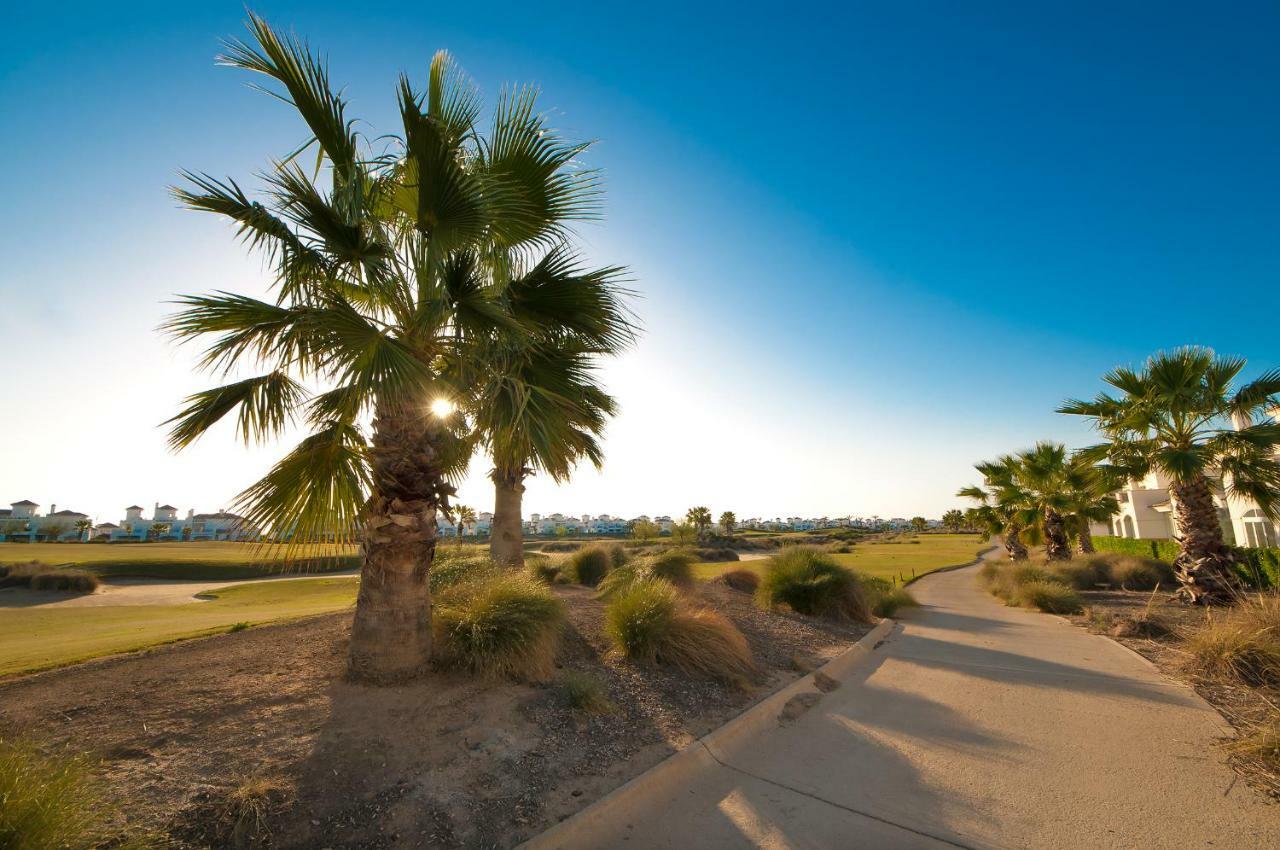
[971,725]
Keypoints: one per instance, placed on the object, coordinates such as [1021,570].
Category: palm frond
[267,404]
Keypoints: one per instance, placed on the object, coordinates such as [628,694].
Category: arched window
[1129,529]
[1258,530]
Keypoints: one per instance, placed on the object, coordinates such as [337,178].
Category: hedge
[1259,567]
[1161,550]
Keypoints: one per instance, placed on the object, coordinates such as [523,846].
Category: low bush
[649,622]
[885,597]
[743,580]
[715,554]
[76,581]
[542,568]
[562,546]
[810,582]
[38,576]
[504,624]
[51,801]
[1243,643]
[674,566]
[1131,572]
[618,554]
[1051,597]
[585,693]
[451,570]
[588,566]
[1080,573]
[617,581]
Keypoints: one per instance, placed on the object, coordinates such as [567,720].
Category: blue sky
[874,245]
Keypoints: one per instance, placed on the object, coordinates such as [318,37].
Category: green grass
[42,637]
[883,560]
[206,560]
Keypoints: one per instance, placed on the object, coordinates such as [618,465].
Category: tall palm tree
[995,513]
[540,407]
[1175,416]
[699,518]
[728,522]
[466,516]
[953,519]
[1040,487]
[388,281]
[1090,500]
[84,526]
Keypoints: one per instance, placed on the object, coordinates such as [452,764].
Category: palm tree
[83,527]
[1175,416]
[1089,501]
[953,520]
[466,516]
[157,529]
[1039,488]
[682,533]
[542,409]
[995,513]
[644,529]
[390,281]
[700,519]
[919,523]
[728,522]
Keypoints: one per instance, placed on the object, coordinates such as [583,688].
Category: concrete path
[971,725]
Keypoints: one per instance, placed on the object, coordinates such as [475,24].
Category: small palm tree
[919,523]
[1090,500]
[391,282]
[700,519]
[728,523]
[157,530]
[953,520]
[682,533]
[996,514]
[1040,489]
[1175,416]
[466,516]
[83,528]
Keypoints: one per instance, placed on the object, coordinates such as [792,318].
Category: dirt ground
[1108,612]
[445,762]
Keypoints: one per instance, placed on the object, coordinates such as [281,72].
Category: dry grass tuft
[1049,596]
[247,809]
[809,582]
[1242,643]
[649,622]
[507,624]
[742,580]
[38,576]
[886,598]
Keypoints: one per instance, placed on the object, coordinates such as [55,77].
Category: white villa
[1146,513]
[24,522]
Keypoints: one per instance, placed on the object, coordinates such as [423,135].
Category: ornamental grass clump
[38,576]
[649,622]
[51,801]
[448,571]
[1242,644]
[1131,572]
[585,693]
[810,582]
[1052,597]
[744,581]
[589,565]
[544,570]
[885,597]
[503,624]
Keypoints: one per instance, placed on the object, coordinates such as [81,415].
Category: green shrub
[618,555]
[588,566]
[1134,573]
[449,571]
[1049,596]
[675,566]
[237,627]
[50,801]
[504,624]
[715,554]
[1080,573]
[616,581]
[810,582]
[1157,550]
[648,622]
[541,568]
[885,597]
[1259,567]
[585,693]
[743,580]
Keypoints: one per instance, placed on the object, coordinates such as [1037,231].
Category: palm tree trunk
[506,541]
[1055,537]
[391,633]
[1205,566]
[1084,540]
[1013,546]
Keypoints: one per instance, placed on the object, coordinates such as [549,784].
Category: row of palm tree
[1181,415]
[428,303]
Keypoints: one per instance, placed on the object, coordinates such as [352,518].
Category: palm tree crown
[1175,416]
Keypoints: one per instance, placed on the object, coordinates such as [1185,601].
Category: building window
[1258,530]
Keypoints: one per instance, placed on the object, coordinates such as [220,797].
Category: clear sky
[875,244]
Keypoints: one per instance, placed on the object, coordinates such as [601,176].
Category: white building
[23,521]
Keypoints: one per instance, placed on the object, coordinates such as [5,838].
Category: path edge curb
[603,822]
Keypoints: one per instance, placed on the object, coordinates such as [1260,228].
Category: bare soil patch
[445,762]
[1151,625]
